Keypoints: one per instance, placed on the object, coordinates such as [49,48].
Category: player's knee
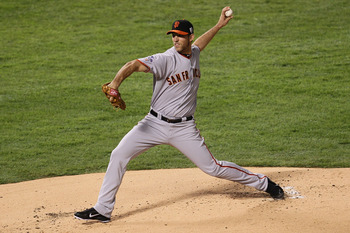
[212,171]
[120,156]
[116,156]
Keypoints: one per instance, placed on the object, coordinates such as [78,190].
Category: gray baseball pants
[184,136]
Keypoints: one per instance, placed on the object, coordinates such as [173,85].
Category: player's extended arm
[111,89]
[129,68]
[204,39]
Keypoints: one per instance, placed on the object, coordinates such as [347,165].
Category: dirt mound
[183,200]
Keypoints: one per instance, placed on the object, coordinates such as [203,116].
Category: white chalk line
[292,192]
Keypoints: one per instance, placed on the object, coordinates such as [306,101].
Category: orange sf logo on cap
[176,24]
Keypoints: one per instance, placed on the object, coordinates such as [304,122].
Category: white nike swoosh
[93,215]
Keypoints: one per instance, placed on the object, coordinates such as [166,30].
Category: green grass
[274,91]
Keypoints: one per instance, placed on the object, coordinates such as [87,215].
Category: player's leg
[192,145]
[142,137]
[127,149]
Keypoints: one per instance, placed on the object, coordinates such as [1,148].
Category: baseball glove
[113,96]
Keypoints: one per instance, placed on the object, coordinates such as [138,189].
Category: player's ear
[191,37]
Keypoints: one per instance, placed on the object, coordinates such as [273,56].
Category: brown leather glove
[113,96]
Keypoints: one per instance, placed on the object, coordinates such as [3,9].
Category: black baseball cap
[182,27]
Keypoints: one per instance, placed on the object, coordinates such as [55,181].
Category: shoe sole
[278,198]
[89,219]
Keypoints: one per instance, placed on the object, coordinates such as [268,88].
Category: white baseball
[228,13]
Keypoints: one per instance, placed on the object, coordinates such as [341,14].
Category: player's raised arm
[204,39]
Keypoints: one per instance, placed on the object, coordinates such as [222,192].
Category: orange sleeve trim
[148,69]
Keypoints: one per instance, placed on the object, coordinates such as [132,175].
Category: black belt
[177,120]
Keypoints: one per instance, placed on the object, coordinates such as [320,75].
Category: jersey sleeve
[195,49]
[155,64]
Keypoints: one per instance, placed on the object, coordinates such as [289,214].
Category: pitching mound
[183,200]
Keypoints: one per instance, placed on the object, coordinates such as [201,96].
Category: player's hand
[113,96]
[223,20]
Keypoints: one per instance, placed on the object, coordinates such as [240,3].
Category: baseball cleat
[275,191]
[91,214]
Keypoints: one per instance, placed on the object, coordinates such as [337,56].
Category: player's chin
[178,48]
[182,51]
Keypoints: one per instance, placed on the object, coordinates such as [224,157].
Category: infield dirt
[183,200]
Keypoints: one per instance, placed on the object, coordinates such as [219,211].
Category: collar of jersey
[186,55]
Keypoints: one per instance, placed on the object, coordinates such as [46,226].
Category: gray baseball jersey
[175,82]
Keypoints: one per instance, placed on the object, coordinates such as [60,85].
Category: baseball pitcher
[176,75]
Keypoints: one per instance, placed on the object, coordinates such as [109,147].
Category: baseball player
[176,75]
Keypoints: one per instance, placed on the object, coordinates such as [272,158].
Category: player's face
[182,43]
